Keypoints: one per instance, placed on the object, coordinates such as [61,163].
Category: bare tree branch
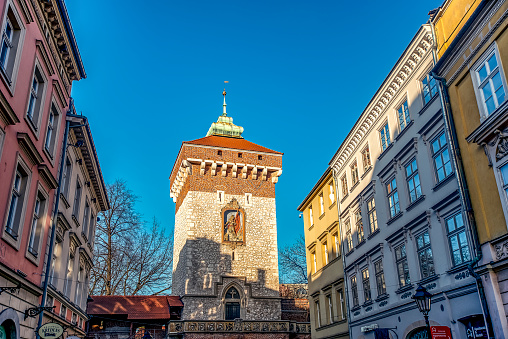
[293,262]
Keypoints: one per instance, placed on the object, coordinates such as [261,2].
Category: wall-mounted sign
[369,328]
[440,332]
[50,331]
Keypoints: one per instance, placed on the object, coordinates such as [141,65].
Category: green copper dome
[224,125]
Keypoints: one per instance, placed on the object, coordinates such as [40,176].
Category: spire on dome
[224,125]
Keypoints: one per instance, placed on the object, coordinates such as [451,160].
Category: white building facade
[402,221]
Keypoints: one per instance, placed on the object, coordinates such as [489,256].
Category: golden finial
[224,93]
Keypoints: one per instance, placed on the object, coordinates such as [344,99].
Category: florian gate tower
[225,243]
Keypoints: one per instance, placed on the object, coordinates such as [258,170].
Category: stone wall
[202,264]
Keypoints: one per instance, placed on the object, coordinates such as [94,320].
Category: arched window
[418,333]
[8,329]
[232,309]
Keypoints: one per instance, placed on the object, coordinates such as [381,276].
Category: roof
[135,307]
[229,142]
[314,189]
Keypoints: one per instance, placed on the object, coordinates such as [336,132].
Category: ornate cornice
[30,149]
[396,80]
[47,176]
[6,112]
[237,170]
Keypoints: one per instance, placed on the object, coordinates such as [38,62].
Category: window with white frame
[330,308]
[490,82]
[36,96]
[359,226]
[403,113]
[458,240]
[341,302]
[380,277]
[66,177]
[51,131]
[336,242]
[393,197]
[354,291]
[86,218]
[366,158]
[77,200]
[68,277]
[343,182]
[413,181]
[429,88]
[332,192]
[79,286]
[425,255]
[366,285]
[314,262]
[441,156]
[11,39]
[91,231]
[37,224]
[354,173]
[384,135]
[349,237]
[402,267]
[371,211]
[325,253]
[318,315]
[63,311]
[311,216]
[19,192]
[321,203]
[53,276]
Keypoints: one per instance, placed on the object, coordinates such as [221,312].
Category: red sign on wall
[440,332]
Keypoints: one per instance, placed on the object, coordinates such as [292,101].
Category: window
[322,203]
[371,211]
[219,152]
[86,218]
[314,262]
[413,181]
[79,286]
[53,273]
[359,226]
[458,240]
[349,238]
[429,88]
[220,196]
[354,173]
[311,217]
[318,315]
[403,113]
[37,224]
[337,244]
[51,135]
[384,133]
[91,232]
[325,253]
[11,41]
[354,291]
[393,197]
[18,195]
[332,192]
[402,267]
[66,178]
[36,96]
[77,200]
[341,304]
[330,308]
[63,311]
[366,158]
[366,285]
[489,82]
[425,255]
[343,182]
[240,155]
[260,157]
[74,319]
[68,277]
[441,157]
[380,277]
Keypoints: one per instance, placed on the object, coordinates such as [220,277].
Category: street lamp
[422,299]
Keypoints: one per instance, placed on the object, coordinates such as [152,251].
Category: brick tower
[225,243]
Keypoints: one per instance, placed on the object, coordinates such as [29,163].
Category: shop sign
[50,330]
[369,328]
[440,332]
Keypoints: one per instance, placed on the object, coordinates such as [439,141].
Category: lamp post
[422,299]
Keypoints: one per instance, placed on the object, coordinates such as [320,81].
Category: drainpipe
[57,202]
[465,197]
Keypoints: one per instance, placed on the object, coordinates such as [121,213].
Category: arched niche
[9,324]
[233,302]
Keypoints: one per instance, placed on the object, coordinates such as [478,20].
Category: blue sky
[300,73]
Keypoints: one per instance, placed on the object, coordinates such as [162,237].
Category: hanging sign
[50,330]
[440,332]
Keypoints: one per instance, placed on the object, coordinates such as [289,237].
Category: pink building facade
[39,60]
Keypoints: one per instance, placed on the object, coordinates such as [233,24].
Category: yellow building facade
[327,299]
[472,47]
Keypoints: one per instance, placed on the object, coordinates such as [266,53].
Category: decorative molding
[501,250]
[47,176]
[391,87]
[59,93]
[29,149]
[26,12]
[238,325]
[42,51]
[6,112]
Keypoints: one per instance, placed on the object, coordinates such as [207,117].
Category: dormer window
[240,155]
[219,152]
[260,157]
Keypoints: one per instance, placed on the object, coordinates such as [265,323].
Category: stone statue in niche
[233,223]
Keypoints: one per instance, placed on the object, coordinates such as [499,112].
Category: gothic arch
[233,301]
